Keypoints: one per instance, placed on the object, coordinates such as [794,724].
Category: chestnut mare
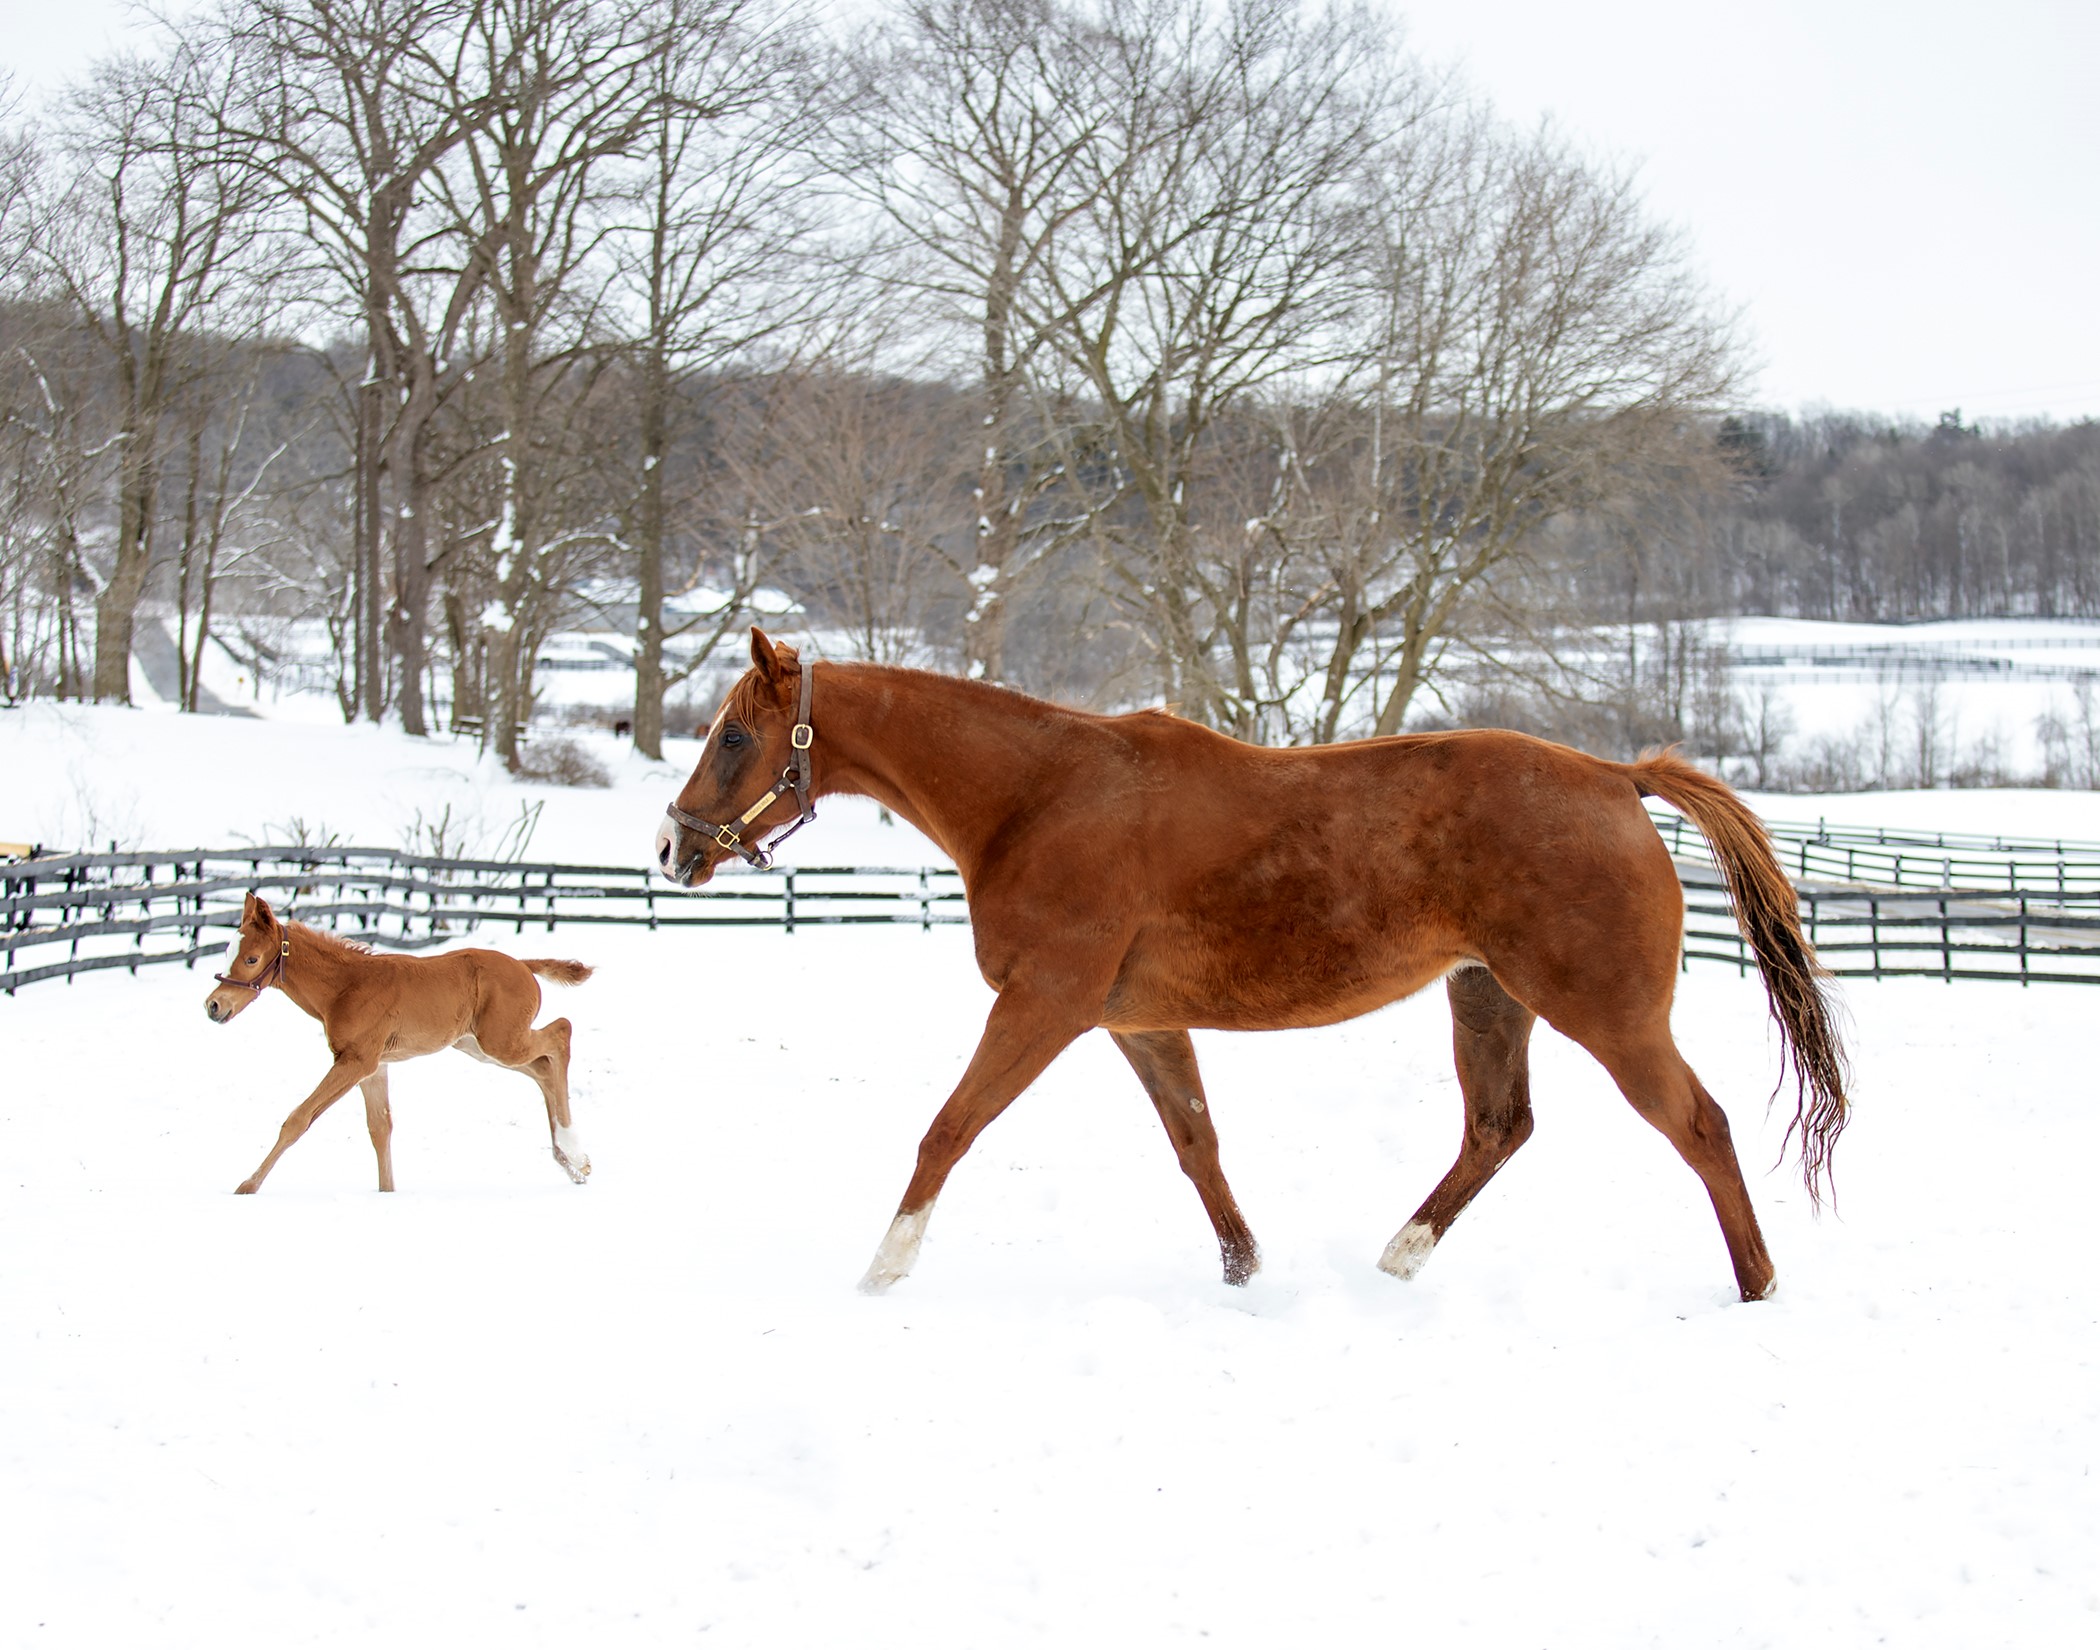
[377,1010]
[1146,875]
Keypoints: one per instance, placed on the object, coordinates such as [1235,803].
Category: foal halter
[270,975]
[794,777]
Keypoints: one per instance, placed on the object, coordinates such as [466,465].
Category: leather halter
[270,975]
[794,777]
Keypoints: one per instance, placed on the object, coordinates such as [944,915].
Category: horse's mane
[337,942]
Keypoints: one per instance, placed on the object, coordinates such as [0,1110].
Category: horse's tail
[560,972]
[1769,914]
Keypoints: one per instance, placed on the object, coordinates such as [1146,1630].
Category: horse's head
[253,962]
[753,773]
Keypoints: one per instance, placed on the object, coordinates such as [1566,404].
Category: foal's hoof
[579,1171]
[245,1189]
[877,1281]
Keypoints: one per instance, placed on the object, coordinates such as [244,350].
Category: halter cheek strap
[270,975]
[795,777]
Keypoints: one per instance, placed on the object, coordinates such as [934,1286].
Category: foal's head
[745,783]
[253,961]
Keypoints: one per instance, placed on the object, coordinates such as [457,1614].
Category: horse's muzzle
[688,871]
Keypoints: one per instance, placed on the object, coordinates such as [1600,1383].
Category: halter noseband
[794,777]
[270,975]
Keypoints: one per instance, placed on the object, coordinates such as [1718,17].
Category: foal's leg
[1165,1062]
[550,1069]
[1023,1035]
[1491,1040]
[543,1055]
[379,1118]
[1664,1090]
[351,1068]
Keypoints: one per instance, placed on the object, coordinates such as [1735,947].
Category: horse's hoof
[578,1172]
[245,1189]
[878,1283]
[1410,1247]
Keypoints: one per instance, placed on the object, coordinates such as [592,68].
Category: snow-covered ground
[494,1408]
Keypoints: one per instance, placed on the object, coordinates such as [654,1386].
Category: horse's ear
[258,909]
[764,656]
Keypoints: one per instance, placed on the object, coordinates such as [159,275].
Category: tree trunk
[649,547]
[116,608]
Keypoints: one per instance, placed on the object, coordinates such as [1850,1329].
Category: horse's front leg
[1026,1030]
[351,1068]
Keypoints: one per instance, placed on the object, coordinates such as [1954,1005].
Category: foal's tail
[561,973]
[1770,916]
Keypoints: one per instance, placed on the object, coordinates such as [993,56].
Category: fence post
[925,903]
[791,900]
[1874,930]
[2023,941]
[1946,953]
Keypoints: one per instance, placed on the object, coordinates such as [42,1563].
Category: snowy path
[496,1410]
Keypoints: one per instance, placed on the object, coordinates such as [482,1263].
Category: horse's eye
[732,738]
[250,959]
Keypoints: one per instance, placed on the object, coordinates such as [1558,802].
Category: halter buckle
[727,836]
[802,736]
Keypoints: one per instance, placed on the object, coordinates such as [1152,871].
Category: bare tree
[226,464]
[966,137]
[1211,263]
[148,242]
[707,242]
[866,478]
[351,108]
[1528,344]
[575,85]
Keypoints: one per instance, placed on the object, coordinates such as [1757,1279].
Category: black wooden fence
[1940,907]
[1929,861]
[69,915]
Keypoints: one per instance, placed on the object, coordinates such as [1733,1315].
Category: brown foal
[377,1010]
[1146,875]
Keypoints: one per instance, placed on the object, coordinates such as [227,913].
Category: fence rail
[1940,907]
[65,916]
[1930,861]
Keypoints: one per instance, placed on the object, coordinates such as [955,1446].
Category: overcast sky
[1902,200]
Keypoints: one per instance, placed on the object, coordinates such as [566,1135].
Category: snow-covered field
[494,1408]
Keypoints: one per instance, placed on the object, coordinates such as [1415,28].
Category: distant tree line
[1852,517]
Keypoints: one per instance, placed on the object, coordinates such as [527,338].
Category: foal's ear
[258,910]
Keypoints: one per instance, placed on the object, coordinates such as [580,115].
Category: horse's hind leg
[1165,1062]
[1663,1089]
[379,1118]
[1491,1041]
